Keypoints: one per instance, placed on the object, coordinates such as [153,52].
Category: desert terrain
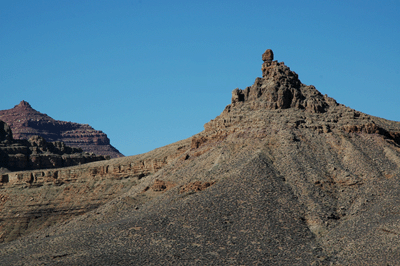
[283,176]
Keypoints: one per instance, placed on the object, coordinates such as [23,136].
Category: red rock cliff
[26,122]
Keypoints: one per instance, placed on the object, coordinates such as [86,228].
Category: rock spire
[280,88]
[267,57]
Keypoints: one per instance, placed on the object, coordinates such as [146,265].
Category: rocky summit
[284,176]
[26,122]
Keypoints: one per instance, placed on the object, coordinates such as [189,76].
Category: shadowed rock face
[37,153]
[26,122]
[5,132]
[283,176]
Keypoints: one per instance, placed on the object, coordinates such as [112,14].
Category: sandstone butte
[283,176]
[26,122]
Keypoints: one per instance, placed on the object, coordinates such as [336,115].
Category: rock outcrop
[26,122]
[267,57]
[37,153]
[280,88]
[5,133]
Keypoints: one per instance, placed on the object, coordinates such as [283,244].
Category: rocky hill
[26,122]
[37,153]
[284,176]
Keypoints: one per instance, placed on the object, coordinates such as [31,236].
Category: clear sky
[149,73]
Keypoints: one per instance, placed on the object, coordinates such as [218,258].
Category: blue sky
[149,73]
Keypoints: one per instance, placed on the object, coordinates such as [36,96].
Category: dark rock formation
[37,153]
[5,132]
[26,122]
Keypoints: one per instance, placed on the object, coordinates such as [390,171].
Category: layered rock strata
[26,122]
[34,200]
[37,153]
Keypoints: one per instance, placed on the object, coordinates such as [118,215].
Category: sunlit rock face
[26,122]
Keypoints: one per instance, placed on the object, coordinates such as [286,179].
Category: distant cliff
[25,122]
[37,153]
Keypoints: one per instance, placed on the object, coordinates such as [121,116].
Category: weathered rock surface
[37,153]
[291,179]
[34,200]
[280,88]
[26,122]
[267,57]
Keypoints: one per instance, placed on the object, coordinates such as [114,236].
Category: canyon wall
[26,122]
